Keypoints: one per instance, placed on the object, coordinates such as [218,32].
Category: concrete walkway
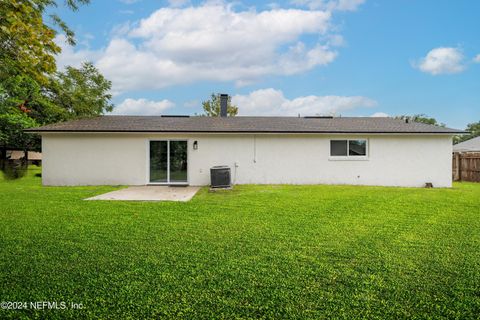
[150,193]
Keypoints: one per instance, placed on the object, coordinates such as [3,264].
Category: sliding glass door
[178,161]
[159,161]
[168,161]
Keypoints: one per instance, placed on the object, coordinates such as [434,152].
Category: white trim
[351,158]
[168,182]
[168,161]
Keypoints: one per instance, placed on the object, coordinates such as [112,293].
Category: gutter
[32,130]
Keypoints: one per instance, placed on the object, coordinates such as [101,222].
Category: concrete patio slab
[150,193]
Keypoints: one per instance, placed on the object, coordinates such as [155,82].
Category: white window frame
[348,157]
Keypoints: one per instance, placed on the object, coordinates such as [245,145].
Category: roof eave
[243,131]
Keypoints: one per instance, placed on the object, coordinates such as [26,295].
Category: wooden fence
[466,166]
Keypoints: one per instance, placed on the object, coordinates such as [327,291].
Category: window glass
[338,147]
[158,161]
[178,161]
[357,147]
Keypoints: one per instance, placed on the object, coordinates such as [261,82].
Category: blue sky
[348,57]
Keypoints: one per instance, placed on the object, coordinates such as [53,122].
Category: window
[357,147]
[338,147]
[348,148]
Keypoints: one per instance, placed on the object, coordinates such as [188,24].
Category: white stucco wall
[92,159]
[393,160]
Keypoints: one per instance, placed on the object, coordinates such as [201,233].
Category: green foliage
[473,129]
[255,252]
[22,93]
[14,116]
[30,85]
[422,118]
[27,44]
[82,92]
[11,130]
[23,105]
[211,107]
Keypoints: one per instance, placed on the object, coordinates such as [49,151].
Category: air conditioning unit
[220,177]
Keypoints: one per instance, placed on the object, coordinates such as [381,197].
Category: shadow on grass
[13,170]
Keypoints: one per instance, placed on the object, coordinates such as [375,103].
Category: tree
[422,118]
[11,132]
[211,107]
[16,96]
[82,92]
[473,129]
[32,91]
[27,44]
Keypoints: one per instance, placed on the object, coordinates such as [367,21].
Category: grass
[284,252]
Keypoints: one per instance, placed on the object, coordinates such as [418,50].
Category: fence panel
[466,166]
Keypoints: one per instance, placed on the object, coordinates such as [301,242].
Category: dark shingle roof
[243,124]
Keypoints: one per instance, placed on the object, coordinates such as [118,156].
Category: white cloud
[72,57]
[212,42]
[380,115]
[336,40]
[340,5]
[142,107]
[442,60]
[477,58]
[272,102]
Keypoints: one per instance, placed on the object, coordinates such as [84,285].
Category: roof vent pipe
[223,104]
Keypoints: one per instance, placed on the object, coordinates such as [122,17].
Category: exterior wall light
[195,145]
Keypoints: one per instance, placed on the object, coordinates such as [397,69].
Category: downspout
[254,149]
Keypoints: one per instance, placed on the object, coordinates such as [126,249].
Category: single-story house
[141,150]
[472,145]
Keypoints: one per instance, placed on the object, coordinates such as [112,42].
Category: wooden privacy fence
[466,166]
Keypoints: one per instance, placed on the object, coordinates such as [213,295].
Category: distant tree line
[473,128]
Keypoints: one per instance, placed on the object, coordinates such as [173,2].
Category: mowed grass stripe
[283,252]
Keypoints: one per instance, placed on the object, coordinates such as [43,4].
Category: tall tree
[17,95]
[422,118]
[211,107]
[11,132]
[32,91]
[82,92]
[27,44]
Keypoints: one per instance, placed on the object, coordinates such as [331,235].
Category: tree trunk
[25,157]
[3,157]
[3,153]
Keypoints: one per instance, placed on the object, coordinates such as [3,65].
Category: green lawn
[255,252]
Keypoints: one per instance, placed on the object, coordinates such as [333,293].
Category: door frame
[167,183]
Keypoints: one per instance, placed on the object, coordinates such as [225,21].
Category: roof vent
[318,117]
[175,116]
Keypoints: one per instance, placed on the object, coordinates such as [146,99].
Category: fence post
[460,166]
[458,173]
